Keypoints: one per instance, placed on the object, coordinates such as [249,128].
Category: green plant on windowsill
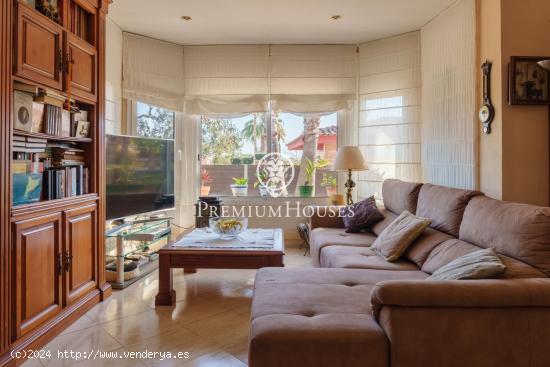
[330,183]
[306,190]
[240,186]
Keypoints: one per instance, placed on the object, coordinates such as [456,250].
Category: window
[154,122]
[232,147]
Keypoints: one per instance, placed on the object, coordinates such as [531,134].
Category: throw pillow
[482,264]
[398,235]
[361,216]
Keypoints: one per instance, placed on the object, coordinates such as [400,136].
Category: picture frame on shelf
[528,82]
[82,129]
[22,111]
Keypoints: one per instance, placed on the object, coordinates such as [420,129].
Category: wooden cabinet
[82,57]
[38,267]
[79,252]
[39,48]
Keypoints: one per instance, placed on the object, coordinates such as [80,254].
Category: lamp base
[349,188]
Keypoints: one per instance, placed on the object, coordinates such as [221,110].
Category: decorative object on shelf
[528,82]
[228,227]
[308,188]
[22,111]
[349,158]
[330,183]
[82,129]
[49,8]
[487,111]
[27,188]
[206,180]
[240,186]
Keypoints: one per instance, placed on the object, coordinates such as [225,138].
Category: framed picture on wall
[528,82]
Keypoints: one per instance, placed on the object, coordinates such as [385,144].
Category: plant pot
[205,190]
[331,190]
[305,191]
[239,190]
[263,191]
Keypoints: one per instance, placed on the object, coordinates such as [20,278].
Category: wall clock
[487,111]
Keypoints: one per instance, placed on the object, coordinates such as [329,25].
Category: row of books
[59,183]
[27,144]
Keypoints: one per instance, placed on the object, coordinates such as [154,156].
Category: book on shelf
[64,182]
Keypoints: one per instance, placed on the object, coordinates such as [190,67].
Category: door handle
[68,261]
[60,61]
[59,264]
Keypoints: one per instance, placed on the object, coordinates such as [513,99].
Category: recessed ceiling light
[336,17]
[187,18]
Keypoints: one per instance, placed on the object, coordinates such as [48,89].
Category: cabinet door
[79,252]
[83,74]
[39,48]
[38,267]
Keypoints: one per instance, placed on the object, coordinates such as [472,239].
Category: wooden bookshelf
[61,241]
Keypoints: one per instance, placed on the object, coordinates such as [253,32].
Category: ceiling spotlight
[336,17]
[187,18]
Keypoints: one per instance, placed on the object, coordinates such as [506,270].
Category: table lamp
[349,158]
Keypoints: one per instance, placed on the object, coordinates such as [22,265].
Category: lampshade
[545,64]
[349,157]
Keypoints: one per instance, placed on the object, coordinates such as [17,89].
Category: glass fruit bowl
[228,227]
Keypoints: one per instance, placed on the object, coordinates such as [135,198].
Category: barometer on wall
[487,111]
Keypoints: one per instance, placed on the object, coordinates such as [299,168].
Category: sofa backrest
[400,195]
[519,231]
[444,206]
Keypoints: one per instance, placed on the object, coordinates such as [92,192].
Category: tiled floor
[210,321]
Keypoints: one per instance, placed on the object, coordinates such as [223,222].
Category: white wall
[113,76]
[389,122]
[449,115]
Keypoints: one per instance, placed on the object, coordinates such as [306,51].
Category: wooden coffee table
[191,259]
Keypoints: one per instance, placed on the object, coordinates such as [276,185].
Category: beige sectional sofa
[356,309]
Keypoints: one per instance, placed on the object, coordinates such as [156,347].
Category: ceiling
[273,21]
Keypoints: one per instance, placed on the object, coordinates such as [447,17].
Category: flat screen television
[140,175]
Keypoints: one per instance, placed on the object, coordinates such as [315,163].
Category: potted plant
[306,190]
[330,183]
[239,186]
[206,180]
[260,183]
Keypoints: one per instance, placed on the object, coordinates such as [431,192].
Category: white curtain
[153,72]
[389,123]
[226,79]
[449,127]
[187,141]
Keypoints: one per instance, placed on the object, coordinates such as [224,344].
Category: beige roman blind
[312,78]
[153,72]
[226,79]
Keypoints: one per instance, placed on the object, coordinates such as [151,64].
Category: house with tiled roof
[327,143]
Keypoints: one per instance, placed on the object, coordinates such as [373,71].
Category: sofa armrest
[494,293]
[326,217]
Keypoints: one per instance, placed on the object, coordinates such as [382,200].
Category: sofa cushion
[361,216]
[421,248]
[519,231]
[360,258]
[321,237]
[319,317]
[389,217]
[481,264]
[447,252]
[399,195]
[398,236]
[444,206]
[452,249]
